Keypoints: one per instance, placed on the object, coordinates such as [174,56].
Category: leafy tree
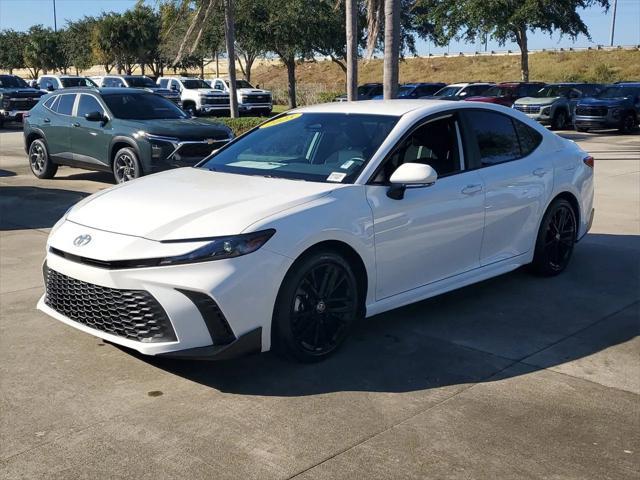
[114,42]
[42,50]
[249,16]
[503,20]
[143,30]
[11,43]
[77,43]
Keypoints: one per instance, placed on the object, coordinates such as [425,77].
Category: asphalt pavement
[515,377]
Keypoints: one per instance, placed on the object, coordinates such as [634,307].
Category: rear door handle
[472,189]
[46,120]
[540,172]
[75,124]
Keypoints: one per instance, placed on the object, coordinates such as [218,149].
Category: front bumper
[262,107]
[13,115]
[242,288]
[584,121]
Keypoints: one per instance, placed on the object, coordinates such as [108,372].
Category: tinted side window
[88,104]
[434,143]
[65,104]
[529,138]
[164,82]
[496,137]
[49,102]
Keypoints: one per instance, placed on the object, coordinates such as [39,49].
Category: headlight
[546,111]
[223,247]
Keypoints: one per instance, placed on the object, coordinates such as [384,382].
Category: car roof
[100,90]
[396,107]
[624,84]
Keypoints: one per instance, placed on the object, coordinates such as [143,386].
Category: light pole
[613,22]
[55,21]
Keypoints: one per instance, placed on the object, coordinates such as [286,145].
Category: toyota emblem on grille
[81,240]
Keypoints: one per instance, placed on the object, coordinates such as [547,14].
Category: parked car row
[584,106]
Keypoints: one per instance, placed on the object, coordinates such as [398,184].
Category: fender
[122,139]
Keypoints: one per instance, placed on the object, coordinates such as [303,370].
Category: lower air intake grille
[131,314]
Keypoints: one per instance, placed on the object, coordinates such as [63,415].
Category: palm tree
[194,34]
[351,9]
[390,9]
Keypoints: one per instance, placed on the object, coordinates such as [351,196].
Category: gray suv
[555,104]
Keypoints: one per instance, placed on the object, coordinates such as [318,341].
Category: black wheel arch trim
[119,139]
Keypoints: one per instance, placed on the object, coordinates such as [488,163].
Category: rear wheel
[126,166]
[582,129]
[39,161]
[556,238]
[318,303]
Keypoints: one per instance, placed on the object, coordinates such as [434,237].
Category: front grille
[196,151]
[257,99]
[131,314]
[216,101]
[528,108]
[591,111]
[22,103]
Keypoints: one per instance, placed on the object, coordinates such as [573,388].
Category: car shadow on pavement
[466,336]
[34,207]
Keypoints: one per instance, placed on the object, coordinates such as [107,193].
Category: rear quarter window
[529,138]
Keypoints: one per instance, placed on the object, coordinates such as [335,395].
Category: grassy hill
[316,79]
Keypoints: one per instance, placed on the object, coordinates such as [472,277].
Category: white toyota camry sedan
[289,234]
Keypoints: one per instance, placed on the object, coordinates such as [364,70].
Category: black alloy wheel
[556,239]
[39,161]
[628,123]
[317,305]
[126,166]
[559,120]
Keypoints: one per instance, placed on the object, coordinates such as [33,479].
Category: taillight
[589,161]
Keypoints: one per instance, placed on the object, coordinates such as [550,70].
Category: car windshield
[447,92]
[77,82]
[404,91]
[499,92]
[195,83]
[141,106]
[365,89]
[554,91]
[9,81]
[317,147]
[140,82]
[618,92]
[241,84]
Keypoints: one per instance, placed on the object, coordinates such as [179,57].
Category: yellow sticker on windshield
[278,121]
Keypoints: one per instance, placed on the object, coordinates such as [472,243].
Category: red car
[508,92]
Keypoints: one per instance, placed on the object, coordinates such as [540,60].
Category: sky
[21,14]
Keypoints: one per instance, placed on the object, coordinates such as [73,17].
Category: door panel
[57,130]
[433,233]
[90,140]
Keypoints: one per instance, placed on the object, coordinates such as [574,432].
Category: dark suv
[16,98]
[617,106]
[127,131]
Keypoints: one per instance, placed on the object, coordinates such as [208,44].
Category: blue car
[416,90]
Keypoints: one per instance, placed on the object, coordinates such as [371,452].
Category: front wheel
[126,166]
[628,123]
[556,238]
[39,161]
[318,303]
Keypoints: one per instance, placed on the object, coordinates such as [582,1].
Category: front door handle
[472,189]
[75,124]
[540,172]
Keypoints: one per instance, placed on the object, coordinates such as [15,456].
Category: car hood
[603,102]
[190,203]
[537,100]
[162,91]
[485,99]
[22,92]
[182,128]
[257,91]
[208,91]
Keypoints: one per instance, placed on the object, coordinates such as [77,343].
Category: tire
[582,129]
[126,166]
[190,108]
[559,120]
[318,303]
[628,123]
[39,160]
[556,239]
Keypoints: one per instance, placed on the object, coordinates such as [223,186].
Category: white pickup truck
[197,97]
[250,99]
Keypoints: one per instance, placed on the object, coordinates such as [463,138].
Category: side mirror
[174,87]
[94,117]
[410,175]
